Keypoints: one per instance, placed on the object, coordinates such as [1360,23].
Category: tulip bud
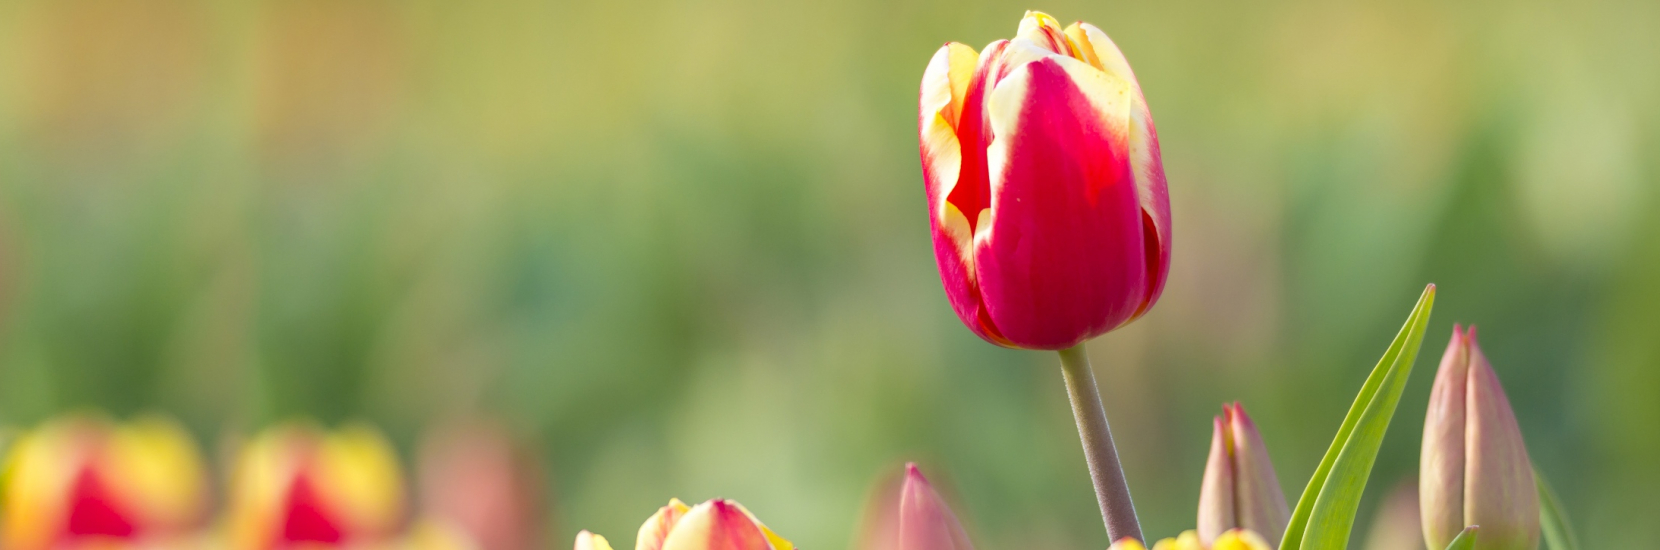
[657,527]
[476,479]
[912,516]
[298,486]
[82,479]
[718,524]
[1046,192]
[1240,489]
[1474,468]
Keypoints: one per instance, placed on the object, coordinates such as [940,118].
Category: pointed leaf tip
[1325,513]
[1465,540]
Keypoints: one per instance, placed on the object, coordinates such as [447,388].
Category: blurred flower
[1240,488]
[1046,193]
[717,524]
[1474,467]
[1397,525]
[295,485]
[82,481]
[1233,539]
[590,541]
[912,516]
[475,479]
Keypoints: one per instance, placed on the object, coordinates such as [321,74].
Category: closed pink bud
[1474,468]
[477,479]
[1240,489]
[910,515]
[1046,193]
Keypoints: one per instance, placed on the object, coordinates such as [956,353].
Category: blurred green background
[682,246]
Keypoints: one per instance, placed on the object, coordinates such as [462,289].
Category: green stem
[1104,470]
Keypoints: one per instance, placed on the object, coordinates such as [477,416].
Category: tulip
[912,516]
[590,541]
[717,524]
[1474,468]
[1048,207]
[296,485]
[478,481]
[1240,488]
[1233,539]
[1046,193]
[85,481]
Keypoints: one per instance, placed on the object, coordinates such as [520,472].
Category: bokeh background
[681,247]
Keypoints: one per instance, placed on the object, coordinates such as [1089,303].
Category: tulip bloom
[1046,193]
[1240,488]
[479,482]
[84,481]
[1474,468]
[718,524]
[298,486]
[1233,539]
[912,516]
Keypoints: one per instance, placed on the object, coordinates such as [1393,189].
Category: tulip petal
[1441,462]
[925,522]
[1127,543]
[1259,501]
[1500,493]
[1064,216]
[590,541]
[1216,492]
[1097,49]
[1046,32]
[1188,540]
[953,165]
[777,542]
[718,524]
[1240,539]
[657,527]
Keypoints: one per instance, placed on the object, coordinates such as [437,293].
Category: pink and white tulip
[1240,489]
[1474,468]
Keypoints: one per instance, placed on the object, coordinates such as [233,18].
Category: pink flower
[1474,468]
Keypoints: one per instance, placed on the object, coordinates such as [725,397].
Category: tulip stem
[1104,469]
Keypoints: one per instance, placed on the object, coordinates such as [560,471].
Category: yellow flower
[299,485]
[83,479]
[1234,539]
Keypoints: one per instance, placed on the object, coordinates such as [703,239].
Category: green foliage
[1325,513]
[1553,522]
[1465,539]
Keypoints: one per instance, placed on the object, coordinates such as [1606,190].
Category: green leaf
[1553,523]
[1325,513]
[1465,540]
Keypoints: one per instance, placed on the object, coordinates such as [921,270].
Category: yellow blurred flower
[296,485]
[1234,539]
[83,480]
